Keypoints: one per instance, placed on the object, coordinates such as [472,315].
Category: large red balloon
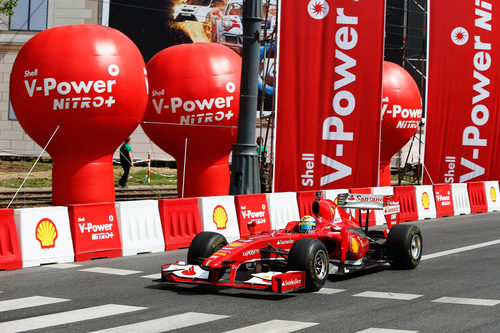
[401,114]
[91,81]
[192,113]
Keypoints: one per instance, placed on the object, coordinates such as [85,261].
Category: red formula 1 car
[305,252]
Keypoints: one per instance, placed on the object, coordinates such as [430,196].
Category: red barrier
[444,200]
[95,231]
[253,214]
[477,197]
[305,200]
[180,220]
[407,203]
[371,219]
[10,252]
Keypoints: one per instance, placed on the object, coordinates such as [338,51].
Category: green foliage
[7,6]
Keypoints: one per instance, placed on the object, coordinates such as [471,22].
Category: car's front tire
[310,255]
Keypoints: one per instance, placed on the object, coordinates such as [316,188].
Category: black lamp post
[245,161]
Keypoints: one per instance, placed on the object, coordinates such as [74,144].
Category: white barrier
[218,214]
[44,235]
[426,204]
[140,227]
[460,197]
[492,199]
[379,214]
[283,208]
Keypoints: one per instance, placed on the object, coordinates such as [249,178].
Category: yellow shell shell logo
[354,245]
[493,194]
[220,217]
[46,233]
[425,200]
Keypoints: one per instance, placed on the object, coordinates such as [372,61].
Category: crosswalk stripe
[384,330]
[467,301]
[167,323]
[275,326]
[376,294]
[67,317]
[329,291]
[28,302]
[112,271]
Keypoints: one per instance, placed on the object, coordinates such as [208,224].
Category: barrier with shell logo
[140,227]
[426,205]
[492,196]
[95,231]
[283,208]
[10,252]
[460,197]
[44,235]
[218,214]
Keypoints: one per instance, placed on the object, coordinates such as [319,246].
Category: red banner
[462,100]
[329,94]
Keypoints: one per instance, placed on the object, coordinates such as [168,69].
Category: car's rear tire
[310,255]
[404,246]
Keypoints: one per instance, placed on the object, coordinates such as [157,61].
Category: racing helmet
[307,224]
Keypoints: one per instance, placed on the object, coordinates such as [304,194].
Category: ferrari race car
[305,252]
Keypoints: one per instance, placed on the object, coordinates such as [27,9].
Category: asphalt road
[454,289]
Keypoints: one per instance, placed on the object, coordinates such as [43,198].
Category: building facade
[30,17]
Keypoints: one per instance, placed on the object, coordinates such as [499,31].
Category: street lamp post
[245,177]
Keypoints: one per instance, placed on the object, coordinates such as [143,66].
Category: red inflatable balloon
[401,114]
[192,113]
[90,81]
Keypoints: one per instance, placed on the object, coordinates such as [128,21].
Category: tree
[7,7]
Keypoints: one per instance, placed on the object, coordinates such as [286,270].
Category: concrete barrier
[407,203]
[218,214]
[44,235]
[460,197]
[283,208]
[492,199]
[477,197]
[140,227]
[426,205]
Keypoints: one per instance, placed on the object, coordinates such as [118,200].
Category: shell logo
[46,233]
[220,217]
[354,245]
[425,200]
[493,194]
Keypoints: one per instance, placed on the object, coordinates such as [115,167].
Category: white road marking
[467,301]
[67,317]
[274,326]
[28,302]
[384,330]
[63,266]
[460,249]
[329,291]
[152,276]
[377,294]
[112,271]
[167,323]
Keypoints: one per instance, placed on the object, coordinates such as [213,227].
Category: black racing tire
[203,246]
[310,255]
[404,246]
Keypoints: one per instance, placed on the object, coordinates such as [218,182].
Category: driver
[307,224]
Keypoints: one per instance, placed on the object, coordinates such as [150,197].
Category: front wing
[277,282]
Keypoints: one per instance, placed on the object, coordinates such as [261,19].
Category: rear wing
[389,204]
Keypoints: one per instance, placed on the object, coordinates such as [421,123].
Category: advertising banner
[462,99]
[329,91]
